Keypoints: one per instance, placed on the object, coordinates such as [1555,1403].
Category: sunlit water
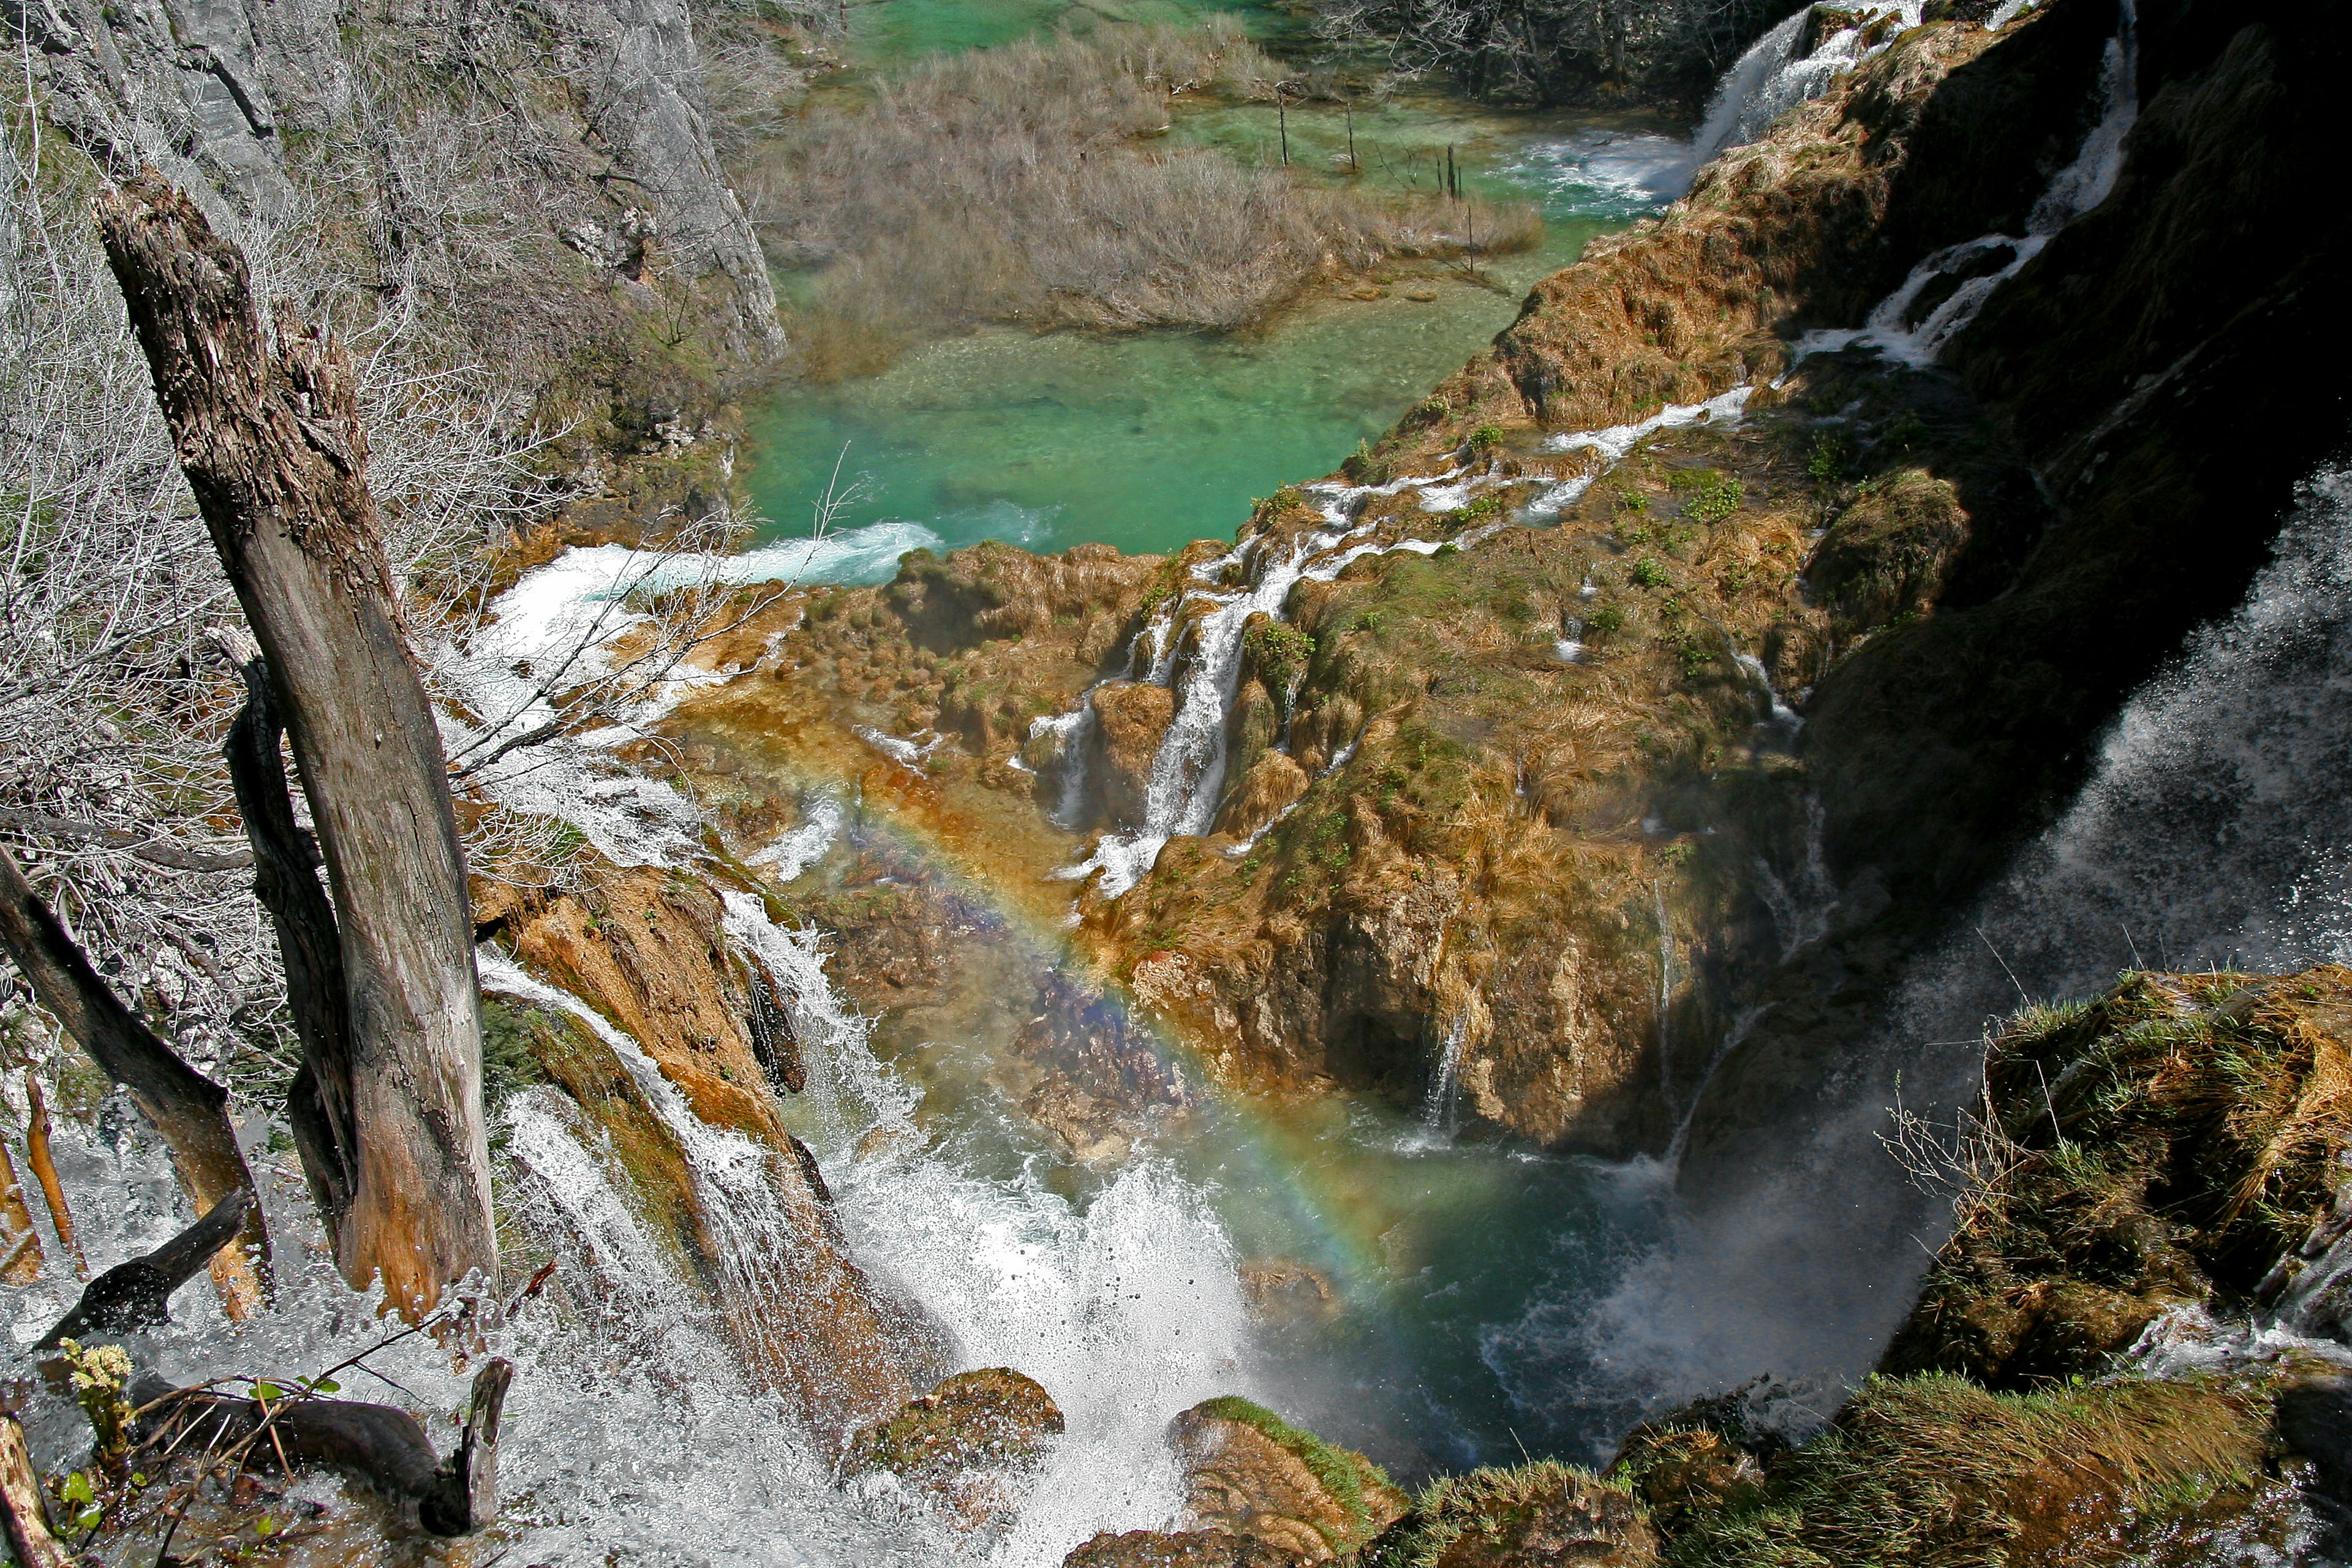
[1149,440]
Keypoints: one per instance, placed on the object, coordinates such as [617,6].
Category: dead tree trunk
[286,879]
[187,1109]
[268,434]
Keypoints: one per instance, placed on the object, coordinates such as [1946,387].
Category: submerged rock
[965,1446]
[1282,1290]
[1249,1472]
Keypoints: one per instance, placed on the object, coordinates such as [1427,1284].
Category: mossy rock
[1528,1516]
[995,1418]
[1887,553]
[2179,1139]
[1250,1472]
[1936,1470]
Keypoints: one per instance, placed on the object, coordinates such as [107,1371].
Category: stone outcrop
[1132,718]
[620,285]
[647,951]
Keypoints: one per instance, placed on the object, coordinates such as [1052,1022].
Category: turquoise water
[1149,440]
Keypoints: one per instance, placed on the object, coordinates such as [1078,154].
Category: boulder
[964,1447]
[1249,1472]
[1132,718]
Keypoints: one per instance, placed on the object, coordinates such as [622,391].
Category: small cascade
[1665,994]
[1801,905]
[796,1306]
[1733,1039]
[803,846]
[1187,774]
[1771,78]
[1073,734]
[1975,269]
[1440,1109]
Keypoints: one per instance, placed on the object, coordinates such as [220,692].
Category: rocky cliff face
[535,184]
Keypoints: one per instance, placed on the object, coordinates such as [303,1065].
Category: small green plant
[1363,468]
[1647,573]
[1606,620]
[98,1374]
[1696,655]
[1825,461]
[1484,439]
[1633,501]
[1904,432]
[1714,496]
[1430,410]
[1481,508]
[1280,655]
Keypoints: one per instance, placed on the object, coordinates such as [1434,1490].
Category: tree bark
[286,879]
[20,1244]
[45,1170]
[187,1109]
[21,1500]
[268,434]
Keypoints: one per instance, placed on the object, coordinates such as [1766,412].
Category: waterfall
[1437,1112]
[1771,78]
[1127,1309]
[2212,832]
[2077,188]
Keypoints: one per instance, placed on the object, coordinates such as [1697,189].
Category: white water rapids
[632,1429]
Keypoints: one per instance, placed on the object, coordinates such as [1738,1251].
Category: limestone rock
[1132,719]
[1282,1290]
[1182,1549]
[965,1446]
[1249,1472]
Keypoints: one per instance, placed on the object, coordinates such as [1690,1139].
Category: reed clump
[1023,184]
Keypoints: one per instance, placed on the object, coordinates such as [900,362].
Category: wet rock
[1536,1516]
[1249,1472]
[964,1447]
[1182,1548]
[1132,719]
[1281,1290]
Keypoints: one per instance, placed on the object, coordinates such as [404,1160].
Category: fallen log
[189,1109]
[136,1294]
[379,1446]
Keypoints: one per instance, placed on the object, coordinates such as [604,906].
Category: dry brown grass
[1018,185]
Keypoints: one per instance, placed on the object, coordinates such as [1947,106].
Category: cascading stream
[2211,833]
[1188,771]
[2077,188]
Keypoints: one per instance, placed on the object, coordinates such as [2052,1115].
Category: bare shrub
[1016,185]
[1555,51]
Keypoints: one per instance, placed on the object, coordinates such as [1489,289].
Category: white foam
[803,846]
